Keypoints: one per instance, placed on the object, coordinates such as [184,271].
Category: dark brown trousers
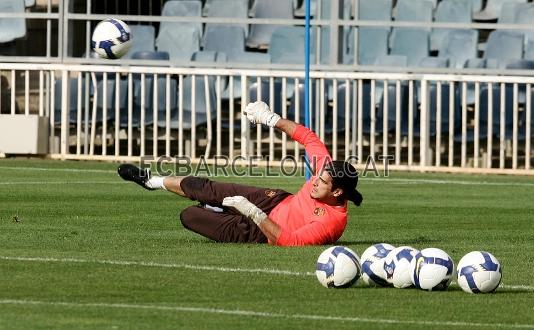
[229,225]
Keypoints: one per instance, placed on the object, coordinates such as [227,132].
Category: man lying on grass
[315,215]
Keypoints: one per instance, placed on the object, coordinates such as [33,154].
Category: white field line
[268,271]
[250,313]
[366,179]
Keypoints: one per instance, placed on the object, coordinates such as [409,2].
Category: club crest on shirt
[270,193]
[319,211]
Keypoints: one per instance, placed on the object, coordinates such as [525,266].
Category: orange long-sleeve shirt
[304,220]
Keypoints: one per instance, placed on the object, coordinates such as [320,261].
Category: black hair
[345,176]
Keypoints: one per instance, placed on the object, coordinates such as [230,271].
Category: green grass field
[81,249]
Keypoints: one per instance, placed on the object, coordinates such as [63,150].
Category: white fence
[438,122]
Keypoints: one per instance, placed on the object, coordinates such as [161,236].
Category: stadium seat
[529,50]
[508,13]
[227,8]
[325,31]
[12,28]
[180,39]
[226,39]
[414,11]
[73,101]
[150,55]
[373,41]
[412,43]
[202,102]
[144,39]
[314,106]
[287,45]
[260,34]
[182,45]
[29,3]
[525,15]
[459,46]
[445,108]
[450,11]
[492,10]
[181,8]
[496,115]
[503,46]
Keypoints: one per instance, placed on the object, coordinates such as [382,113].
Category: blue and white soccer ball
[398,266]
[479,272]
[373,265]
[433,269]
[338,267]
[112,38]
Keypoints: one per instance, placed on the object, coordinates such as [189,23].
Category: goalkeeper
[316,214]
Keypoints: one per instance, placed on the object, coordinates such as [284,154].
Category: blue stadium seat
[227,8]
[287,45]
[180,39]
[529,50]
[144,39]
[260,34]
[180,42]
[73,101]
[29,3]
[325,31]
[459,46]
[457,11]
[181,8]
[12,28]
[226,39]
[503,46]
[492,10]
[415,11]
[496,117]
[525,15]
[412,43]
[508,13]
[373,41]
[372,44]
[150,55]
[314,106]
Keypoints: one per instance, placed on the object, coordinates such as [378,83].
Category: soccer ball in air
[111,39]
[338,267]
[373,264]
[433,269]
[398,268]
[479,272]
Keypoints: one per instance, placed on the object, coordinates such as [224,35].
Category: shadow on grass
[396,242]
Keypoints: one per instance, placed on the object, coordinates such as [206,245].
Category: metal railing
[439,122]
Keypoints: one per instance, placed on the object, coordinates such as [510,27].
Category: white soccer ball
[338,267]
[112,38]
[398,266]
[479,272]
[373,266]
[433,269]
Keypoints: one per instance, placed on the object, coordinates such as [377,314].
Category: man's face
[322,188]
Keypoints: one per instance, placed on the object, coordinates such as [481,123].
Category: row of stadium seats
[385,46]
[143,109]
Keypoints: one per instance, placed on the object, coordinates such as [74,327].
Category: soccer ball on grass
[433,269]
[398,268]
[373,265]
[338,267]
[479,272]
